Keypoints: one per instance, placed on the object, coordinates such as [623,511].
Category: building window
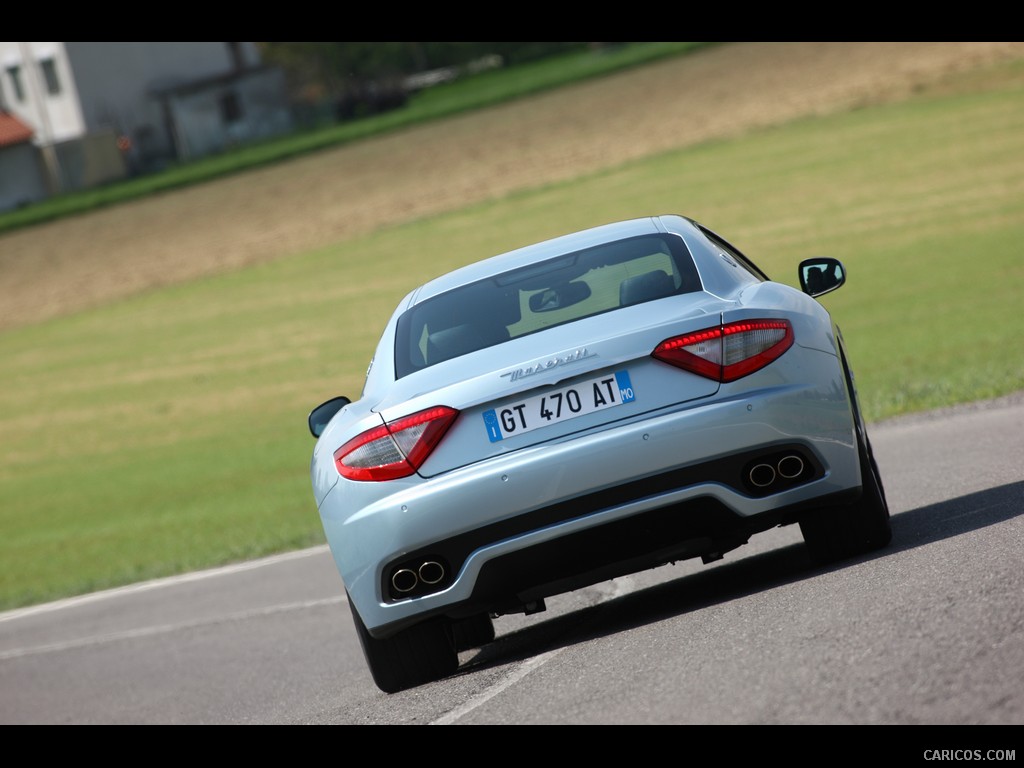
[230,107]
[14,73]
[49,68]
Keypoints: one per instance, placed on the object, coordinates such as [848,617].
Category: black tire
[836,533]
[473,632]
[416,655]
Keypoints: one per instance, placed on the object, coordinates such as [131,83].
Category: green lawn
[167,432]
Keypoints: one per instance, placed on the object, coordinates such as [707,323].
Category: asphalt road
[929,631]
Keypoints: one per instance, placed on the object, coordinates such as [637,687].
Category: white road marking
[517,674]
[161,629]
[184,578]
[608,591]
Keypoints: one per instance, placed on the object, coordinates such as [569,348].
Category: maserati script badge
[547,365]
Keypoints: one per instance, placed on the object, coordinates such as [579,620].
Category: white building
[101,111]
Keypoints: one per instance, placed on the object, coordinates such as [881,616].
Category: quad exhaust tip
[765,474]
[429,573]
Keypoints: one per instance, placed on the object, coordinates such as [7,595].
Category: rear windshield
[540,296]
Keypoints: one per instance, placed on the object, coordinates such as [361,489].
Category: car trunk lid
[557,383]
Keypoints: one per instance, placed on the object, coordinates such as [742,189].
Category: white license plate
[560,405]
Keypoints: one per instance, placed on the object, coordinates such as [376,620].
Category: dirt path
[315,201]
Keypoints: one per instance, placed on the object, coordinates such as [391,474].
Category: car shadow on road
[751,575]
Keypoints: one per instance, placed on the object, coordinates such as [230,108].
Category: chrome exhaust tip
[431,572]
[404,580]
[761,475]
[791,466]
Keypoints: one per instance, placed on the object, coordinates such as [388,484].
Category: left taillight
[728,352]
[395,449]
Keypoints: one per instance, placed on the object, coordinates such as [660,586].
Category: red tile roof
[12,130]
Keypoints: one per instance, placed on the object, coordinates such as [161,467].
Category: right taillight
[396,449]
[728,352]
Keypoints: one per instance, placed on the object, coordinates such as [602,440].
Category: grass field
[164,430]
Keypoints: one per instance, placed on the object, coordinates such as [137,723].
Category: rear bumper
[698,527]
[592,506]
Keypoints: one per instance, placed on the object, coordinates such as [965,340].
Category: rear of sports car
[572,412]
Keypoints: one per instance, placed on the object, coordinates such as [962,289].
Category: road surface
[928,631]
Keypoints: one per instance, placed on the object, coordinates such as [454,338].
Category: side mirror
[321,416]
[821,275]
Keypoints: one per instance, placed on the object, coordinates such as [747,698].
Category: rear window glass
[540,296]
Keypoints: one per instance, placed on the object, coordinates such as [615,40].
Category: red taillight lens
[394,450]
[728,352]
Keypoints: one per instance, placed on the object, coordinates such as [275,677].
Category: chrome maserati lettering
[575,356]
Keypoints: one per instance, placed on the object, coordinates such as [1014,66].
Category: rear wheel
[835,533]
[416,655]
